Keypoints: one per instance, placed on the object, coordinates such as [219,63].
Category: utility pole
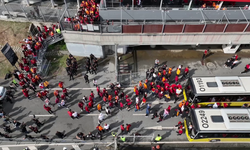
[116,63]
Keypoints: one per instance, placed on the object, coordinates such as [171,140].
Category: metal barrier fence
[131,79]
[33,13]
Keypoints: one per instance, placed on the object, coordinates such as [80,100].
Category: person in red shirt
[70,113]
[45,28]
[65,92]
[121,105]
[111,104]
[39,95]
[129,104]
[21,76]
[92,95]
[63,96]
[122,128]
[27,68]
[90,104]
[80,105]
[104,90]
[91,99]
[34,80]
[48,109]
[87,109]
[136,92]
[116,92]
[247,68]
[98,90]
[128,127]
[44,36]
[29,75]
[21,83]
[25,93]
[60,84]
[21,66]
[33,62]
[39,29]
[24,60]
[45,93]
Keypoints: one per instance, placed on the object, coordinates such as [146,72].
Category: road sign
[9,54]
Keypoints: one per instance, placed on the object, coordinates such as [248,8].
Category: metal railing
[31,13]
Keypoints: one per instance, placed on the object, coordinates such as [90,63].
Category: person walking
[56,93]
[70,113]
[121,105]
[106,127]
[122,128]
[158,138]
[60,135]
[71,75]
[65,92]
[87,109]
[34,129]
[128,127]
[86,77]
[48,109]
[100,128]
[148,110]
[25,93]
[99,107]
[95,82]
[80,105]
[60,84]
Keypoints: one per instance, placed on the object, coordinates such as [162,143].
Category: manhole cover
[211,65]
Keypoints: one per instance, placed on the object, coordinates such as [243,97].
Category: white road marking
[5,148]
[95,114]
[32,148]
[86,88]
[139,114]
[76,147]
[42,115]
[160,128]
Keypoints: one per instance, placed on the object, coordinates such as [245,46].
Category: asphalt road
[22,109]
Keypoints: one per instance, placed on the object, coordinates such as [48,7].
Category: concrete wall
[155,39]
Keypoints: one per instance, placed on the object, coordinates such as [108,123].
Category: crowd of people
[88,13]
[27,79]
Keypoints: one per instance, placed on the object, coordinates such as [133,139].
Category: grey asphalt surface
[22,107]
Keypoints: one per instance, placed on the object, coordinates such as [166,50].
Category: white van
[3,91]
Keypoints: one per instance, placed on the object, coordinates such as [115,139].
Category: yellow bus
[220,124]
[205,91]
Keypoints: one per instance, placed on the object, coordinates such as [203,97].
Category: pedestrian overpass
[228,28]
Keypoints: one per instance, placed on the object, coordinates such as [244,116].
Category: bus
[220,124]
[205,91]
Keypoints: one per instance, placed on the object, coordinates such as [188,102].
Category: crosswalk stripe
[32,148]
[76,147]
[5,148]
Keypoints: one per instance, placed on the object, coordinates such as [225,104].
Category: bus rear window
[212,84]
[217,119]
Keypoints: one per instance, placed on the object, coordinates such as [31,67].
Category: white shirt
[28,46]
[62,102]
[137,100]
[101,116]
[106,127]
[157,61]
[75,114]
[154,75]
[215,105]
[178,91]
[95,81]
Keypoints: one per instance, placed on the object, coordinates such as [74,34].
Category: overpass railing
[157,28]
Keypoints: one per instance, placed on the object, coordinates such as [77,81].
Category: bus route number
[203,119]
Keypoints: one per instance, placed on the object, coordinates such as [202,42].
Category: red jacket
[128,126]
[122,127]
[70,113]
[46,108]
[86,108]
